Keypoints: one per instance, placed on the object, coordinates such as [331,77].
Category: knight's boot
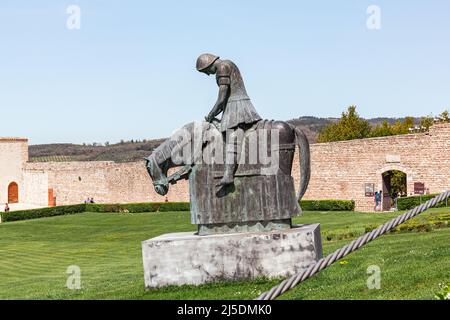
[228,175]
[232,150]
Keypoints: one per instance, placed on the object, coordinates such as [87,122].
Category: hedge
[407,203]
[307,205]
[139,207]
[42,212]
[94,207]
[327,205]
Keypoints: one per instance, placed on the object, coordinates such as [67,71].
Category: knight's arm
[183,173]
[221,101]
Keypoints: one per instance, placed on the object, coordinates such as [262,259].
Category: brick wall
[105,181]
[341,169]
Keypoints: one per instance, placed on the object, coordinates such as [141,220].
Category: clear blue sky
[129,72]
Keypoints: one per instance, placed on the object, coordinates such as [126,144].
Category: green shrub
[408,203]
[175,206]
[139,207]
[42,212]
[370,227]
[131,207]
[95,207]
[327,205]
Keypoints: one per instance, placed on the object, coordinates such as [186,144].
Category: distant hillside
[120,152]
[311,126]
[136,150]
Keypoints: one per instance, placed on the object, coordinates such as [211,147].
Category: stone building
[340,170]
[18,186]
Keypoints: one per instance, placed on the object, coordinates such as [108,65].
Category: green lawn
[35,254]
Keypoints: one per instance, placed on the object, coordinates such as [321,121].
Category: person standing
[375,200]
[380,200]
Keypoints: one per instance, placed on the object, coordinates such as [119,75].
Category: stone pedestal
[186,258]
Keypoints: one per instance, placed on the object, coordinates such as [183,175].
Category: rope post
[323,263]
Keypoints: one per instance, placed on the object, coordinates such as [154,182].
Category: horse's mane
[181,137]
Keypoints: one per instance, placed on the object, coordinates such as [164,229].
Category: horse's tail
[305,161]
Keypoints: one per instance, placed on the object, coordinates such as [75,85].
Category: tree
[402,127]
[383,130]
[426,122]
[444,116]
[350,126]
[397,182]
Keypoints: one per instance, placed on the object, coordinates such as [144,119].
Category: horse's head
[158,174]
[178,150]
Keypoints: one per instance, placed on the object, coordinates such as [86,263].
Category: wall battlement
[13,139]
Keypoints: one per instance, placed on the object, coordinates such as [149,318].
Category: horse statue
[262,197]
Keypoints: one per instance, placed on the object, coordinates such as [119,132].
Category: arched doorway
[394,186]
[13,193]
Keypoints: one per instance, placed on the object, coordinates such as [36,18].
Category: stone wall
[341,169]
[105,181]
[35,186]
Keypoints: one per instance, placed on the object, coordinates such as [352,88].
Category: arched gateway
[13,193]
[394,186]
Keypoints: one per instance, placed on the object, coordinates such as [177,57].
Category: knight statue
[239,114]
[236,191]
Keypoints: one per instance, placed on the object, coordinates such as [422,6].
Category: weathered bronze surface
[237,191]
[238,111]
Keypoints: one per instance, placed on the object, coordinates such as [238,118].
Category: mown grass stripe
[34,256]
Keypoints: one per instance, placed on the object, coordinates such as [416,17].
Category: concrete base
[186,258]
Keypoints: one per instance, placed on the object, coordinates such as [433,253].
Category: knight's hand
[209,118]
[174,178]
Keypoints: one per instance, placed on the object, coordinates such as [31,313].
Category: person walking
[375,201]
[380,200]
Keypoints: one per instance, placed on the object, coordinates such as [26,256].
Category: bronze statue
[239,114]
[253,195]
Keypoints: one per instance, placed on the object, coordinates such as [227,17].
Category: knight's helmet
[205,60]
